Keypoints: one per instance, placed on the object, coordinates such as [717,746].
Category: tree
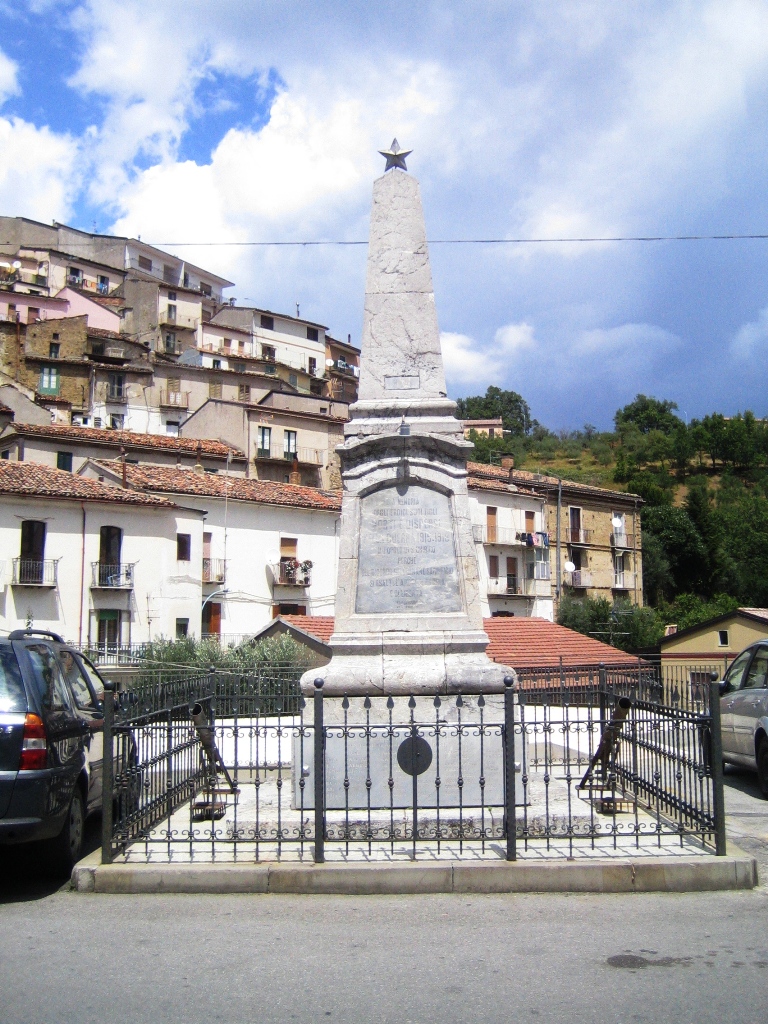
[648,414]
[682,545]
[511,407]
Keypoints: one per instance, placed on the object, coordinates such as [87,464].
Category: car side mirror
[724,687]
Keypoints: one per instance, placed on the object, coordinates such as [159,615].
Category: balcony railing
[213,570]
[578,536]
[185,323]
[578,579]
[511,586]
[117,395]
[31,572]
[502,535]
[113,576]
[174,399]
[623,581]
[289,574]
[307,456]
[623,540]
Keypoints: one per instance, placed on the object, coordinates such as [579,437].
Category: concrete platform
[660,874]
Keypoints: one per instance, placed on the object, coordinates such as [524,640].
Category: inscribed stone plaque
[401,383]
[406,558]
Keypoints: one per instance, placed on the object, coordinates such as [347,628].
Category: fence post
[716,753]
[509,767]
[319,775]
[108,773]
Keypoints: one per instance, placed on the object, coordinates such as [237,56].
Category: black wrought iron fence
[563,758]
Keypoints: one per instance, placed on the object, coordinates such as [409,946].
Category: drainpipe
[82,576]
[634,548]
[558,585]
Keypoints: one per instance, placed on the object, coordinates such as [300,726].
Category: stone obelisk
[408,616]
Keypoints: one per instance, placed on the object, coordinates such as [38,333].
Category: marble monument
[408,614]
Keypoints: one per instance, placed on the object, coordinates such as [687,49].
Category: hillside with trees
[705,515]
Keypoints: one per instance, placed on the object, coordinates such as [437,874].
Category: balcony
[292,573]
[503,536]
[305,456]
[112,576]
[623,581]
[578,579]
[178,320]
[578,536]
[213,570]
[174,399]
[117,395]
[511,586]
[623,540]
[29,572]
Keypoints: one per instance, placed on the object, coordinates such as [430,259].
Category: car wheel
[762,766]
[64,849]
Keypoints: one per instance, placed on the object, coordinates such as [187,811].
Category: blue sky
[191,122]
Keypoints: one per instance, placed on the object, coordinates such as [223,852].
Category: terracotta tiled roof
[516,641]
[115,438]
[524,478]
[33,480]
[171,480]
[100,332]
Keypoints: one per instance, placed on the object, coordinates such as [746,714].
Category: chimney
[122,460]
[508,463]
[199,463]
[295,475]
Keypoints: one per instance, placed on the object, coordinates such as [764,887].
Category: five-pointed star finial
[395,156]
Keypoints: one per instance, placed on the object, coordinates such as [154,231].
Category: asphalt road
[678,958]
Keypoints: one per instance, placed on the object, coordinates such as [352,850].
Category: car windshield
[12,694]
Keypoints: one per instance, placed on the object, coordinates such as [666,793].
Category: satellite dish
[617,522]
[570,567]
[16,264]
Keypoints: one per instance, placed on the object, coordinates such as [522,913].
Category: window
[174,385]
[97,348]
[97,684]
[110,547]
[268,352]
[64,461]
[530,520]
[55,335]
[145,264]
[53,350]
[116,421]
[293,380]
[736,671]
[205,288]
[239,367]
[312,363]
[97,421]
[74,276]
[490,523]
[722,638]
[172,428]
[170,343]
[171,312]
[493,566]
[244,392]
[5,454]
[757,676]
[169,274]
[289,444]
[48,678]
[183,547]
[267,322]
[116,386]
[109,627]
[214,389]
[49,380]
[102,285]
[227,343]
[76,679]
[216,363]
[33,313]
[541,564]
[171,296]
[32,541]
[186,279]
[312,334]
[264,442]
[212,619]
[182,628]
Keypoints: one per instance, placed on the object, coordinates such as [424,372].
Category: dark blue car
[51,733]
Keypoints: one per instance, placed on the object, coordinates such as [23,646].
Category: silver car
[744,712]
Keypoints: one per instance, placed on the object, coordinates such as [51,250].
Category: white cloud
[39,172]
[9,85]
[751,337]
[471,364]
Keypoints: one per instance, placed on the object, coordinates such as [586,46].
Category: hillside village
[168,465]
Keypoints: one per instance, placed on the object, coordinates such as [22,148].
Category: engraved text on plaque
[406,555]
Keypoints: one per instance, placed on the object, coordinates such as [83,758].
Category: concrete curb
[662,874]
